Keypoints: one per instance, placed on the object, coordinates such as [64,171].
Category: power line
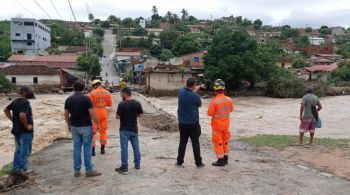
[42,9]
[70,5]
[87,7]
[56,9]
[25,8]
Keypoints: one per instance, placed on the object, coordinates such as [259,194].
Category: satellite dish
[176,61]
[43,52]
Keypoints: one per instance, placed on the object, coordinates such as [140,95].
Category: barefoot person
[128,111]
[219,109]
[22,129]
[188,116]
[78,114]
[310,106]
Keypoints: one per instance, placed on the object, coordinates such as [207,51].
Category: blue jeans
[23,150]
[125,136]
[82,138]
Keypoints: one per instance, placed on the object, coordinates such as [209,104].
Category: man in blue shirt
[188,116]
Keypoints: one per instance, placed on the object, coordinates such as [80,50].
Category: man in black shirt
[128,111]
[78,114]
[22,129]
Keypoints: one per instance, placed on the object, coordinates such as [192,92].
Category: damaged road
[249,171]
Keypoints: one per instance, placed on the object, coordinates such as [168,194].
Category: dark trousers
[192,131]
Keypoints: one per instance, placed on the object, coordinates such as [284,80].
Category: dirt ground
[250,171]
[335,161]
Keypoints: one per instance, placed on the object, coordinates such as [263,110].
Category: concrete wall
[42,79]
[162,84]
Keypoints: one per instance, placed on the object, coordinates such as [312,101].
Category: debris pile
[162,122]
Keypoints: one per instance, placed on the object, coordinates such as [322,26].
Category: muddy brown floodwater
[261,115]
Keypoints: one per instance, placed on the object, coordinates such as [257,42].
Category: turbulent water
[261,115]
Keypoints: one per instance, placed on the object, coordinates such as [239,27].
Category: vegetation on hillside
[5,84]
[5,43]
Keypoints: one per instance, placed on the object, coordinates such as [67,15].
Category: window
[196,59]
[35,80]
[36,24]
[13,79]
[29,36]
[28,23]
[283,64]
[18,34]
[29,43]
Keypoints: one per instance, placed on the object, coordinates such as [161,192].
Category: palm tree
[169,15]
[184,14]
[154,10]
[91,17]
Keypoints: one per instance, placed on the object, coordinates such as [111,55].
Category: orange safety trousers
[219,109]
[102,116]
[100,99]
[221,143]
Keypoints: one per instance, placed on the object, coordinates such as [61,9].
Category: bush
[5,84]
[284,84]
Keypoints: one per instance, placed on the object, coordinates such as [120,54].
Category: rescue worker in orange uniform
[100,99]
[219,109]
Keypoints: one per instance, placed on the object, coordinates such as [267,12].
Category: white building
[29,36]
[316,40]
[31,75]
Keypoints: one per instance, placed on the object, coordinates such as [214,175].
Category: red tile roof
[322,68]
[52,61]
[28,70]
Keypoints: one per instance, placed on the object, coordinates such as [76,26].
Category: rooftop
[322,68]
[28,70]
[127,53]
[49,58]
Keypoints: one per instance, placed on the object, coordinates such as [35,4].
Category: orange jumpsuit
[101,99]
[219,109]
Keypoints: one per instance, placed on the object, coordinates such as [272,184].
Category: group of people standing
[86,117]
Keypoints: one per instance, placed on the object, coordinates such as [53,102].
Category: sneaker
[77,174]
[200,165]
[92,174]
[122,170]
[137,167]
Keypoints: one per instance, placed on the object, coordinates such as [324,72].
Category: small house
[321,72]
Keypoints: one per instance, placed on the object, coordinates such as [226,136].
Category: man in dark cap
[20,113]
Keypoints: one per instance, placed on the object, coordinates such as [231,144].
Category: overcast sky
[297,13]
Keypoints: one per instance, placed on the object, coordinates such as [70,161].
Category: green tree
[89,62]
[139,32]
[257,24]
[113,19]
[98,32]
[289,33]
[299,62]
[5,84]
[344,50]
[185,44]
[91,17]
[129,23]
[184,15]
[231,57]
[303,41]
[63,34]
[192,20]
[324,30]
[246,22]
[238,20]
[166,55]
[105,24]
[308,29]
[155,16]
[284,84]
[342,73]
[168,38]
[155,51]
[267,55]
[5,47]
